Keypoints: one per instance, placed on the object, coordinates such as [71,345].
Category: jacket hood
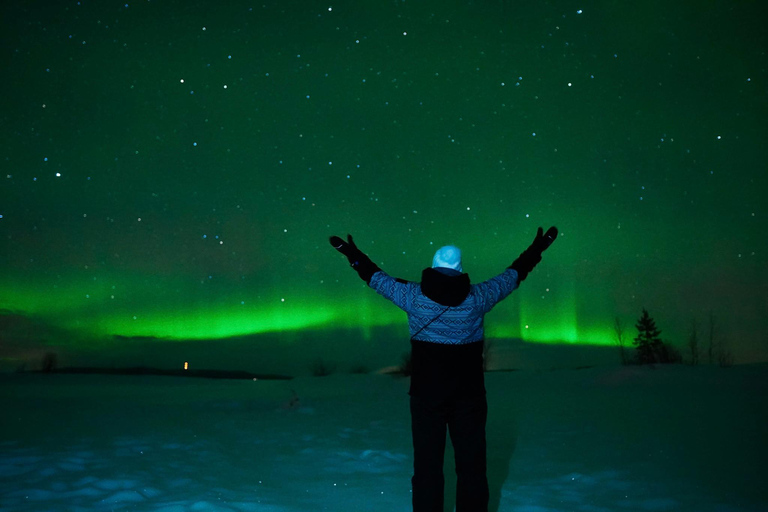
[448,288]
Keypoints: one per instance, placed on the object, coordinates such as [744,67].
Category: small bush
[321,369]
[50,361]
[674,356]
[724,356]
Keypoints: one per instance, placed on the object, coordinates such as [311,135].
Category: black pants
[465,419]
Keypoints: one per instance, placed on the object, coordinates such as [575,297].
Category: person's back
[445,317]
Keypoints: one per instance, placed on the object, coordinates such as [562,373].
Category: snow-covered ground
[602,439]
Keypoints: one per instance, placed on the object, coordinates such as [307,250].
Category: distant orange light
[186,365]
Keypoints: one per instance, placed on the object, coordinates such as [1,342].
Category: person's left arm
[494,290]
[402,293]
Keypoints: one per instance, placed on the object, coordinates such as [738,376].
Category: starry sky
[172,170]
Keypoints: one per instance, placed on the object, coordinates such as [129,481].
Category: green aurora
[173,170]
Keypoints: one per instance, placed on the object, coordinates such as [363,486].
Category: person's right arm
[362,264]
[402,293]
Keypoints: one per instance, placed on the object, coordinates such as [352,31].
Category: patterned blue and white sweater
[445,317]
[463,306]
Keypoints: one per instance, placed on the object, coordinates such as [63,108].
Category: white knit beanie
[448,256]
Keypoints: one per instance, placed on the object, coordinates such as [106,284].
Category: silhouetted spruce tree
[650,348]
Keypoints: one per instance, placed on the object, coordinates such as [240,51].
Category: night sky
[173,169]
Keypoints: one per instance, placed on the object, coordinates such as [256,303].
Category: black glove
[360,262]
[530,257]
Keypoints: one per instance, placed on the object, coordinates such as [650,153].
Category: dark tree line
[650,348]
